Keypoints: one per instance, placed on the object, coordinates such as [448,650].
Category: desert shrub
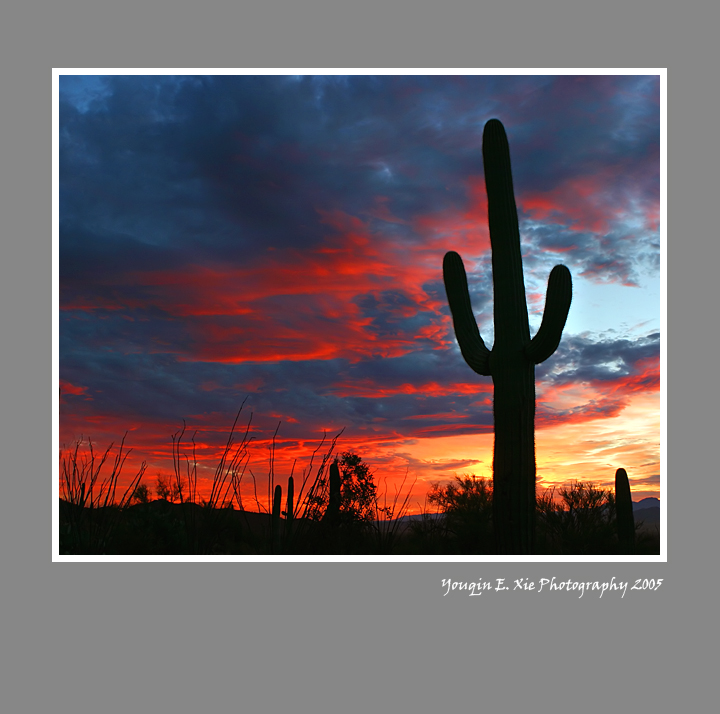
[428,535]
[580,522]
[358,492]
[466,505]
[170,489]
[141,494]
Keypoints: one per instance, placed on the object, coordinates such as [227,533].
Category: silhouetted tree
[168,489]
[141,494]
[358,492]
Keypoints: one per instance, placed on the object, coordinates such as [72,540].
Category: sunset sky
[280,238]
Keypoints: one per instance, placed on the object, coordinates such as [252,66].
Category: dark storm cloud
[220,167]
[570,125]
[242,161]
[198,166]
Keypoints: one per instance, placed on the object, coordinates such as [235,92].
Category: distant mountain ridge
[646,510]
[649,502]
[641,505]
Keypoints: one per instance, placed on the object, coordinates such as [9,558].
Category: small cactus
[289,515]
[624,511]
[275,524]
[333,508]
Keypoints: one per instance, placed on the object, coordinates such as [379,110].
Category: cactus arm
[557,306]
[472,347]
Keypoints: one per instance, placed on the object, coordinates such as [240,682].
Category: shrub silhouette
[169,490]
[511,362]
[581,522]
[467,507]
[141,494]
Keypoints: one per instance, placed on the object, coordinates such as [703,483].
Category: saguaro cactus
[333,508]
[511,362]
[275,522]
[289,514]
[624,511]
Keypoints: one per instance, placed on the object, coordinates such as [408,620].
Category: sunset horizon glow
[276,242]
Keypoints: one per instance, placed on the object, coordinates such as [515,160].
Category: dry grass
[92,512]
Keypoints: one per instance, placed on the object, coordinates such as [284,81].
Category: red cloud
[604,398]
[462,230]
[646,380]
[297,305]
[68,388]
[368,388]
[590,204]
[580,203]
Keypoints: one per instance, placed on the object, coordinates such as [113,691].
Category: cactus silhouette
[275,524]
[333,509]
[624,511]
[289,515]
[511,362]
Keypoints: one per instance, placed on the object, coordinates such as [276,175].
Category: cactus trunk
[511,362]
[514,459]
[624,510]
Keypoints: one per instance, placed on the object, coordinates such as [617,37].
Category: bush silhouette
[466,505]
[141,494]
[582,522]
